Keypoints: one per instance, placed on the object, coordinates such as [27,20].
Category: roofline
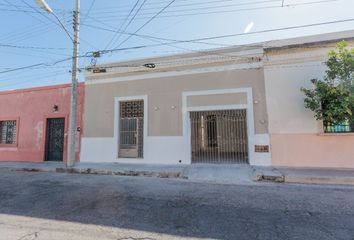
[308,44]
[309,40]
[42,88]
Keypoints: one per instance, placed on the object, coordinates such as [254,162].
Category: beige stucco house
[234,105]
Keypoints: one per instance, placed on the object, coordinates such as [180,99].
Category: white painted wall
[284,76]
[157,150]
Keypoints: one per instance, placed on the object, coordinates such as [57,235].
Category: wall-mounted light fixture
[55,108]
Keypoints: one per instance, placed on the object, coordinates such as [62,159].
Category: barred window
[8,132]
[344,127]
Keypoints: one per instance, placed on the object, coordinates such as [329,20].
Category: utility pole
[74,75]
[74,90]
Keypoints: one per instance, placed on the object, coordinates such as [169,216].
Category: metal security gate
[55,139]
[131,129]
[219,136]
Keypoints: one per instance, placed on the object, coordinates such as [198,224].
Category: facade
[142,115]
[34,123]
[297,139]
[234,105]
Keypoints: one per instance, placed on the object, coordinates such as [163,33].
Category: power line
[157,39]
[147,22]
[146,16]
[19,9]
[36,78]
[88,11]
[152,37]
[26,7]
[14,10]
[121,26]
[176,5]
[30,47]
[203,4]
[28,30]
[35,65]
[29,34]
[131,20]
[59,23]
[233,35]
[37,55]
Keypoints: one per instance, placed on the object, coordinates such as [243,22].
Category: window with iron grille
[345,127]
[8,132]
[131,129]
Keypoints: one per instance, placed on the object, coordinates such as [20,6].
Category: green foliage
[332,99]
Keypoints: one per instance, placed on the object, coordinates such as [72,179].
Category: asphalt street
[47,206]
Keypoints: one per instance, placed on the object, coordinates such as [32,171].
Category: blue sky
[29,36]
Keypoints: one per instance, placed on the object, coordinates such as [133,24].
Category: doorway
[131,129]
[219,136]
[54,149]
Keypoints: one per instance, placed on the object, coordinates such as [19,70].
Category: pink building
[34,123]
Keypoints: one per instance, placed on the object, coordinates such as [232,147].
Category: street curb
[268,178]
[12,169]
[93,171]
[320,180]
[268,175]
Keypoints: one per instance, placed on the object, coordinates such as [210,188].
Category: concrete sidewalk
[223,174]
[212,173]
[306,175]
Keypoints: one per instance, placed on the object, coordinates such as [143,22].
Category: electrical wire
[200,8]
[59,23]
[179,14]
[36,79]
[131,20]
[176,5]
[147,22]
[36,65]
[30,47]
[26,7]
[88,11]
[31,34]
[121,26]
[232,35]
[152,37]
[19,9]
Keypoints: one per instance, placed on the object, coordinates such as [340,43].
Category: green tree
[332,99]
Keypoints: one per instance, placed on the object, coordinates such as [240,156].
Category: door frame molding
[45,120]
[116,111]
[249,116]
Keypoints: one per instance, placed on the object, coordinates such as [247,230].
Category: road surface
[46,206]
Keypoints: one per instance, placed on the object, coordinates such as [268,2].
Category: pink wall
[312,150]
[31,108]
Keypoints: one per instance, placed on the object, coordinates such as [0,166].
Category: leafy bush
[332,99]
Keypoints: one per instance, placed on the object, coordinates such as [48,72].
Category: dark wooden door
[55,139]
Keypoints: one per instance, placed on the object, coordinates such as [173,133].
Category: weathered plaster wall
[31,108]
